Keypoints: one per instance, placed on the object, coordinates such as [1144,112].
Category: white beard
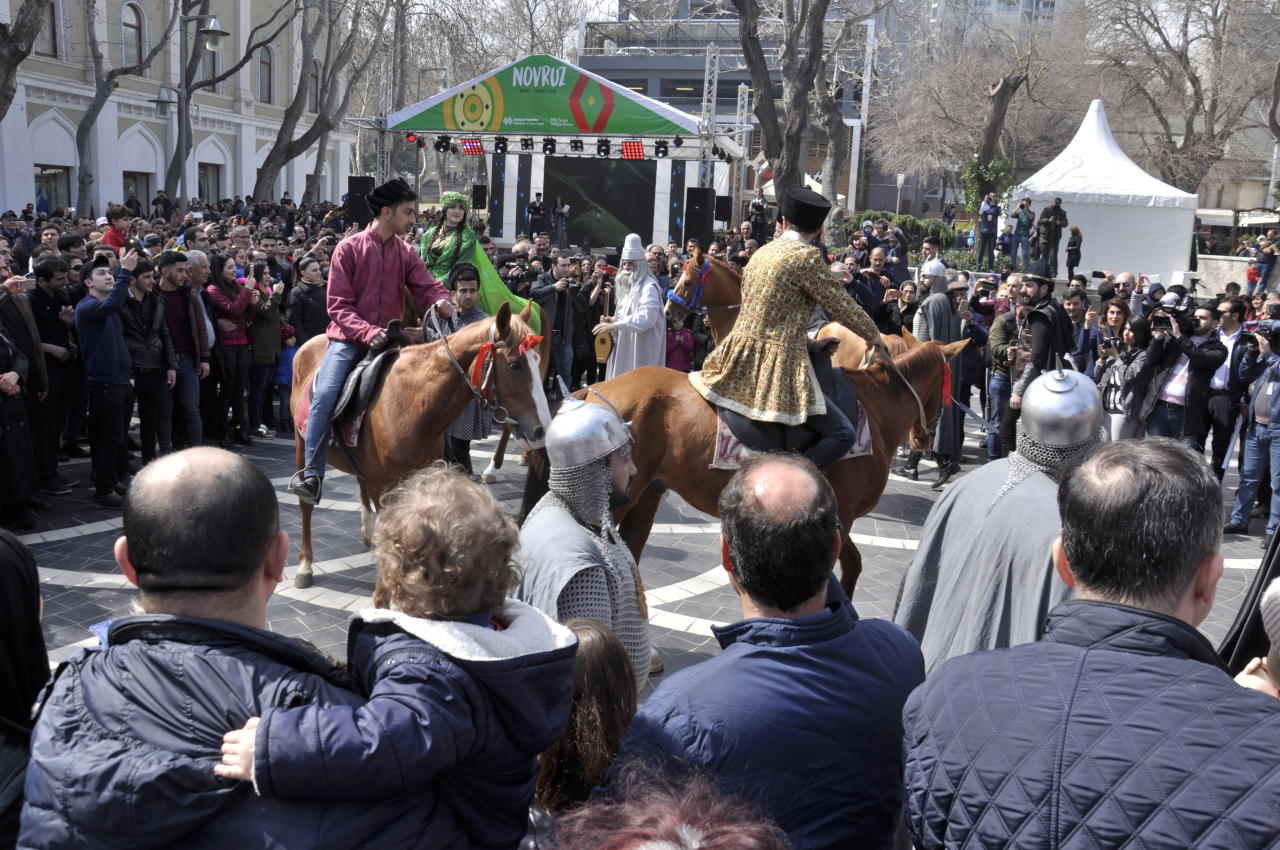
[623,286]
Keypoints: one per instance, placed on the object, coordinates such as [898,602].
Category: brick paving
[686,589]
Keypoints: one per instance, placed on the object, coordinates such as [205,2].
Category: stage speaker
[358,212]
[479,196]
[724,208]
[699,212]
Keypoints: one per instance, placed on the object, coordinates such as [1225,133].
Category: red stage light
[411,138]
[633,150]
[472,147]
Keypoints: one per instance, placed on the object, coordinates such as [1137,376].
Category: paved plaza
[686,588]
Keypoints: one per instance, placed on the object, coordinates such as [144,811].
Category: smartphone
[1153,278]
[1097,275]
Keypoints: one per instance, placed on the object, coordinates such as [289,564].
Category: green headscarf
[448,199]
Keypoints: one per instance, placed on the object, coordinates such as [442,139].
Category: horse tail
[536,482]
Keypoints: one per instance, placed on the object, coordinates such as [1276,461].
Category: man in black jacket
[1044,338]
[1229,386]
[152,359]
[1177,403]
[560,297]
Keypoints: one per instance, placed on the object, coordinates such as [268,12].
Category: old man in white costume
[638,324]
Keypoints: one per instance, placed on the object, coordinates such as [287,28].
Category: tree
[257,38]
[827,101]
[336,82]
[16,42]
[104,85]
[1184,74]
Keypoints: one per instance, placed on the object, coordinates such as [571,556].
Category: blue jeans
[1261,446]
[999,389]
[339,361]
[986,250]
[1021,248]
[186,399]
[1166,421]
[562,359]
[1264,275]
[284,418]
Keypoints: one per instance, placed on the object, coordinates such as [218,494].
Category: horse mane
[917,363]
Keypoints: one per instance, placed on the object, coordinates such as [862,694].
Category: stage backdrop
[608,198]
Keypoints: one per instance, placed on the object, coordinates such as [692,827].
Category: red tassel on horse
[477,368]
[946,383]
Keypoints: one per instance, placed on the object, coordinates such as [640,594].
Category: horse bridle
[481,381]
[694,303]
[930,428]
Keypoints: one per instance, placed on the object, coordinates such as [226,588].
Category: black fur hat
[389,194]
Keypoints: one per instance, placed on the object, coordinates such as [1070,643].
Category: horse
[675,432]
[422,392]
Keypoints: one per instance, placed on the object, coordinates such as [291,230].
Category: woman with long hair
[452,241]
[1074,243]
[1123,374]
[1113,318]
[264,342]
[234,305]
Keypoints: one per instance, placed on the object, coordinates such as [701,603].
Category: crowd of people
[1042,681]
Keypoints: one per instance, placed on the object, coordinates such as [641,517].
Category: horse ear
[910,338]
[526,312]
[951,349]
[503,319]
[696,256]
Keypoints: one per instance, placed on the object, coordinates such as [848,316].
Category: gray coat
[937,320]
[1132,373]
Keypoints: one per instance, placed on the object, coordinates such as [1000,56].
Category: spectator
[988,224]
[53,315]
[1001,346]
[561,299]
[680,346]
[1123,374]
[264,344]
[234,305]
[100,329]
[1253,276]
[1268,251]
[24,669]
[1121,726]
[804,695]
[153,361]
[1075,242]
[307,300]
[604,699]
[119,218]
[1183,365]
[17,460]
[188,329]
[1084,331]
[1115,314]
[283,387]
[939,320]
[466,686]
[1229,386]
[1023,222]
[1261,446]
[902,310]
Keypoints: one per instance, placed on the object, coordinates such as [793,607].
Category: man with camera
[1229,387]
[1262,438]
[988,226]
[1185,354]
[560,297]
[1023,222]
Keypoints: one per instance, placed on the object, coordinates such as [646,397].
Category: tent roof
[543,95]
[1092,169]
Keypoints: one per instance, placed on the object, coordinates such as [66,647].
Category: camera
[132,243]
[1183,312]
[1270,328]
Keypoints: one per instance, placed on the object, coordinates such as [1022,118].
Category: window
[47,41]
[139,184]
[313,95]
[53,187]
[264,75]
[131,23]
[209,67]
[209,181]
[682,89]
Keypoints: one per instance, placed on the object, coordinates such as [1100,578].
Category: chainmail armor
[583,492]
[1032,456]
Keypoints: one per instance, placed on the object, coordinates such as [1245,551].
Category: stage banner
[542,95]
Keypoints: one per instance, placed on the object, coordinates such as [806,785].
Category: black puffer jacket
[146,333]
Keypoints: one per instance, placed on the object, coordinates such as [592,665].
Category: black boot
[909,469]
[946,471]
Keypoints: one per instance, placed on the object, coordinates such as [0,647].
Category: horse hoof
[490,474]
[524,459]
[656,667]
[302,580]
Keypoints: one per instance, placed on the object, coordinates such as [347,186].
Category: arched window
[47,40]
[264,75]
[131,23]
[313,96]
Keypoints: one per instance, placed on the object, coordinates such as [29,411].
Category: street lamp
[213,41]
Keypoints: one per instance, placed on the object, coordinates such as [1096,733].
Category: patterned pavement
[686,588]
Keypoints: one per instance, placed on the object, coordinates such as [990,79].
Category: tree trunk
[837,148]
[315,180]
[16,41]
[999,96]
[85,178]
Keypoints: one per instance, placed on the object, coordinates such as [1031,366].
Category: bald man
[131,727]
[801,711]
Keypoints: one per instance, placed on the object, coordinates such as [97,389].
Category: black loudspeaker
[724,208]
[479,196]
[699,215]
[358,212]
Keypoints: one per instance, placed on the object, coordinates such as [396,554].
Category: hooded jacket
[458,712]
[123,750]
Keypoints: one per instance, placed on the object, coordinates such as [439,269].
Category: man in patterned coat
[761,372]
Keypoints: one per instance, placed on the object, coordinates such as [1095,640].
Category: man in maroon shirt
[366,277]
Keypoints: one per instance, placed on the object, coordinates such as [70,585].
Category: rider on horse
[761,372]
[366,279]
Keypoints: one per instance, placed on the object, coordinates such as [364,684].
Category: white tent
[1130,221]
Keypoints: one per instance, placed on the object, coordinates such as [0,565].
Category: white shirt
[1222,378]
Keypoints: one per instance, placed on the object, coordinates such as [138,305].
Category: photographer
[1262,441]
[1123,373]
[1184,354]
[560,297]
[1230,384]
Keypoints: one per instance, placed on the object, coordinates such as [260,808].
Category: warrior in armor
[760,375]
[1044,338]
[985,554]
[575,561]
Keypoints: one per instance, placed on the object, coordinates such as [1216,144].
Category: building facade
[134,138]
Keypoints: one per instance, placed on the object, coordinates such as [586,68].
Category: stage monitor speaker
[479,196]
[699,213]
[358,188]
[724,208]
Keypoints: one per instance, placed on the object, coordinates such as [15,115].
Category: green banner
[544,95]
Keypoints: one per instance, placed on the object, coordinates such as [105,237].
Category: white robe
[641,336]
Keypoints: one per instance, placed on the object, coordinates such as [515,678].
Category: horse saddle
[357,393]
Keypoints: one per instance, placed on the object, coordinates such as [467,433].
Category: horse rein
[929,428]
[694,303]
[484,388]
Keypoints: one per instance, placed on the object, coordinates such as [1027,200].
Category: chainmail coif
[1032,456]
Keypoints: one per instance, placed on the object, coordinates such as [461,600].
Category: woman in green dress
[452,242]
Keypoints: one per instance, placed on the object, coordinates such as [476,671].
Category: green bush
[914,229]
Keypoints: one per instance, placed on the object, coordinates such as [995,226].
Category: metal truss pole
[710,85]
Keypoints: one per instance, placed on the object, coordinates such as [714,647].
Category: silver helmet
[1061,408]
[582,432]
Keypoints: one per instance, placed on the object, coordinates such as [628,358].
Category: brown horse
[420,395]
[675,432]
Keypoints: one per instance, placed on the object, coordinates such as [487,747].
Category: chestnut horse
[675,432]
[421,394]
